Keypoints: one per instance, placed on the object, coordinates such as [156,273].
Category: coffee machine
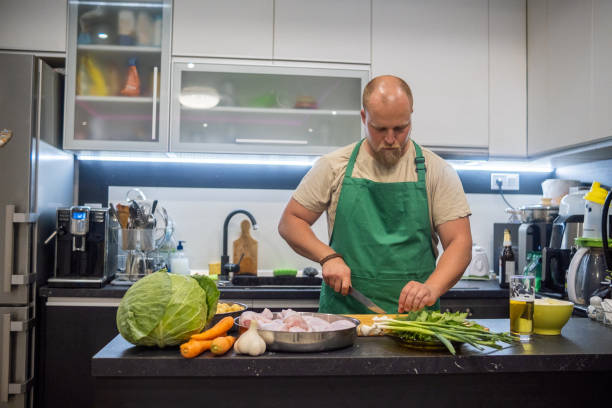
[86,244]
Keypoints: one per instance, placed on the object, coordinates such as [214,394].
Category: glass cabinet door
[264,109]
[117,75]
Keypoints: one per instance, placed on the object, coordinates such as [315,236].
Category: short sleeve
[314,191]
[448,198]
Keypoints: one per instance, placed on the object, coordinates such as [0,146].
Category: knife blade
[361,298]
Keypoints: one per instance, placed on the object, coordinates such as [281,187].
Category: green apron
[383,232]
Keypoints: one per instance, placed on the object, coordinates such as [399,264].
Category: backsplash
[199,214]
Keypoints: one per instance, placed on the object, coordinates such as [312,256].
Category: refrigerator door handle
[11,218]
[6,327]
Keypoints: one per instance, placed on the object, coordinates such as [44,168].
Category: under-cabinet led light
[522,167]
[292,161]
[272,141]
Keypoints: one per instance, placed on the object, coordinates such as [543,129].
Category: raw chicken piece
[341,324]
[296,329]
[286,313]
[267,313]
[274,325]
[246,317]
[316,324]
[296,320]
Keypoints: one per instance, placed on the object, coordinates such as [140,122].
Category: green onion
[445,328]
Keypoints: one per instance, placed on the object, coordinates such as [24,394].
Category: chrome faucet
[226,266]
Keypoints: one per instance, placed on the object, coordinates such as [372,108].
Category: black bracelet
[328,257]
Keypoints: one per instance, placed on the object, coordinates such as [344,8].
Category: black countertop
[584,345]
[464,289]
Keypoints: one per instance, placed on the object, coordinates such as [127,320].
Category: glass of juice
[522,297]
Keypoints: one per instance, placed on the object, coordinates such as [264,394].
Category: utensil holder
[137,239]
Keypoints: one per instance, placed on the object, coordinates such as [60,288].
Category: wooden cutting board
[368,319]
[246,245]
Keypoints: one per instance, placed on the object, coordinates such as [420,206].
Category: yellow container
[214,268]
[550,315]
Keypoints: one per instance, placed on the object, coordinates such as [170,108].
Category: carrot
[221,345]
[194,348]
[222,326]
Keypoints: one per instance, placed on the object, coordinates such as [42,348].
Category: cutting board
[246,245]
[367,319]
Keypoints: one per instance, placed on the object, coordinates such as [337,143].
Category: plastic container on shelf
[179,263]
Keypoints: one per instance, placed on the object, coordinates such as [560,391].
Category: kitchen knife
[358,296]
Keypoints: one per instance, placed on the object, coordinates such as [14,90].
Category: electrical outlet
[510,181]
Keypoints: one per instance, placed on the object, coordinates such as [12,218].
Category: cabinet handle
[9,210]
[154,124]
[5,353]
[10,218]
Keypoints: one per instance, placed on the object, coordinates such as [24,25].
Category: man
[387,201]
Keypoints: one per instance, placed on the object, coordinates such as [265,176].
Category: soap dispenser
[179,263]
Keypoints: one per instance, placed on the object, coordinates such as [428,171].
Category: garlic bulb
[250,342]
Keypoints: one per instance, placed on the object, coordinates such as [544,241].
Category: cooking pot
[538,213]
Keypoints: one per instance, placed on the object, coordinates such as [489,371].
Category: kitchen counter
[546,368]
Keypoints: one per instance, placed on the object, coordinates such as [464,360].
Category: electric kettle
[590,266]
[479,266]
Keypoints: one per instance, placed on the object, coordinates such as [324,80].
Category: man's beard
[388,157]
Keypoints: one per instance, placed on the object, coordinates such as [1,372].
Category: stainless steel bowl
[303,342]
[538,213]
[219,316]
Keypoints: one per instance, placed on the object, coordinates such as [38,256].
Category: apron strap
[351,162]
[419,161]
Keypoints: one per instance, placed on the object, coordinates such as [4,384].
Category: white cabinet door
[441,49]
[36,25]
[229,28]
[507,78]
[322,30]
[560,50]
[602,69]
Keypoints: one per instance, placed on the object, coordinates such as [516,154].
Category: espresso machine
[86,244]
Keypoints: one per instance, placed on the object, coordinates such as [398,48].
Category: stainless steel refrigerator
[35,178]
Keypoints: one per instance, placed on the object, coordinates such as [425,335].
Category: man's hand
[416,296]
[337,275]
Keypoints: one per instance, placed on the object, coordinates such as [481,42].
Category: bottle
[179,263]
[132,83]
[507,265]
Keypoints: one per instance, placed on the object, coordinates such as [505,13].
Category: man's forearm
[300,237]
[453,262]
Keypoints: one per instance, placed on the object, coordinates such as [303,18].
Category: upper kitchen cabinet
[602,69]
[322,30]
[230,28]
[559,74]
[441,49]
[262,108]
[507,78]
[33,25]
[117,85]
[570,86]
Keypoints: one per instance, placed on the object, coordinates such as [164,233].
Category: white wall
[199,214]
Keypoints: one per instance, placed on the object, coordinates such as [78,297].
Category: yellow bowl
[550,315]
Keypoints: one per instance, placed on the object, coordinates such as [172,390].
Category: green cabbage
[165,309]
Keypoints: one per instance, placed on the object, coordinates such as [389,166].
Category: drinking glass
[522,297]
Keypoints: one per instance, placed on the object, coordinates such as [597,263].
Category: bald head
[385,89]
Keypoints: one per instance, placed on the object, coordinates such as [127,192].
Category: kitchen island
[550,370]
